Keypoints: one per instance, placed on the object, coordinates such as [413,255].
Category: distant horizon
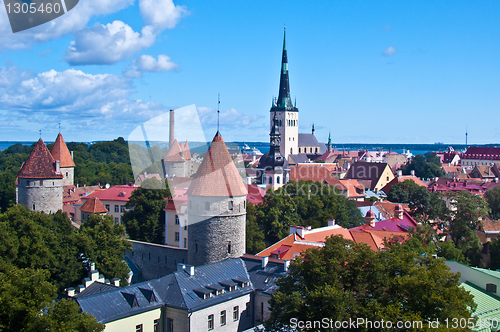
[385,71]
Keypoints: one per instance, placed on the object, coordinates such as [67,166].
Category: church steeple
[277,159]
[329,142]
[284,100]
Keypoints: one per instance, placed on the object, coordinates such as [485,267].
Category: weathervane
[40,131]
[59,127]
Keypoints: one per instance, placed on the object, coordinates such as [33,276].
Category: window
[299,150]
[270,180]
[117,208]
[170,325]
[176,219]
[223,318]
[491,288]
[278,180]
[236,313]
[33,207]
[117,220]
[248,309]
[229,247]
[230,205]
[66,174]
[210,322]
[156,325]
[107,207]
[138,328]
[176,236]
[196,247]
[122,208]
[185,242]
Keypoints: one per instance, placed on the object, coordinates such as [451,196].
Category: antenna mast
[218,111]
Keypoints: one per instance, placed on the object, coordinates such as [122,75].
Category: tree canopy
[492,196]
[425,167]
[145,218]
[344,280]
[303,203]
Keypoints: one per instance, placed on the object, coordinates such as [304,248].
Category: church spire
[329,142]
[284,100]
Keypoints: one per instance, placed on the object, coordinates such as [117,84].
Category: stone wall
[156,260]
[68,179]
[216,229]
[41,194]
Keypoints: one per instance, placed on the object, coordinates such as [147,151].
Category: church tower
[40,182]
[273,168]
[286,113]
[216,208]
[61,153]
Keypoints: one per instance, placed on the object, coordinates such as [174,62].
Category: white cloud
[84,100]
[107,44]
[71,22]
[390,51]
[149,64]
[161,14]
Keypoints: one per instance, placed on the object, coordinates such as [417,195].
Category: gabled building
[92,206]
[40,181]
[114,199]
[480,156]
[378,174]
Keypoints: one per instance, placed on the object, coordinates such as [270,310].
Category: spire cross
[40,131]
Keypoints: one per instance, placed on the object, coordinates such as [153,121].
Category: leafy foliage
[492,196]
[145,219]
[344,280]
[426,167]
[303,203]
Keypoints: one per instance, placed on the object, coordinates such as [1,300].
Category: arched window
[278,180]
[299,150]
[291,150]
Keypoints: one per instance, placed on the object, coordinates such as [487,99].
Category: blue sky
[368,71]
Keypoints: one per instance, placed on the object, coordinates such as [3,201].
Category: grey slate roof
[119,302]
[95,288]
[205,275]
[264,279]
[178,289]
[308,140]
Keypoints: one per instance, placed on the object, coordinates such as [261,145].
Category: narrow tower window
[229,247]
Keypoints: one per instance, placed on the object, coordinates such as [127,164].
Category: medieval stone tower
[286,113]
[217,208]
[40,182]
[61,153]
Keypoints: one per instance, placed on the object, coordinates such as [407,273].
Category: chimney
[286,265]
[331,222]
[172,126]
[94,275]
[190,270]
[265,259]
[71,291]
[81,288]
[400,173]
[58,166]
[249,180]
[92,266]
[370,218]
[412,172]
[116,282]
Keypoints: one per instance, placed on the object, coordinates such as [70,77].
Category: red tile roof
[60,152]
[40,164]
[399,179]
[185,151]
[115,193]
[217,174]
[314,172]
[93,205]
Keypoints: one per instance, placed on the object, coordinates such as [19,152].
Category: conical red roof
[174,153]
[217,174]
[186,152]
[60,152]
[40,164]
[93,205]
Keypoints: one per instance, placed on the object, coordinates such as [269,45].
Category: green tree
[465,216]
[344,280]
[492,196]
[65,315]
[103,242]
[424,167]
[254,235]
[145,219]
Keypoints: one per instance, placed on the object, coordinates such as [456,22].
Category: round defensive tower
[216,208]
[40,182]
